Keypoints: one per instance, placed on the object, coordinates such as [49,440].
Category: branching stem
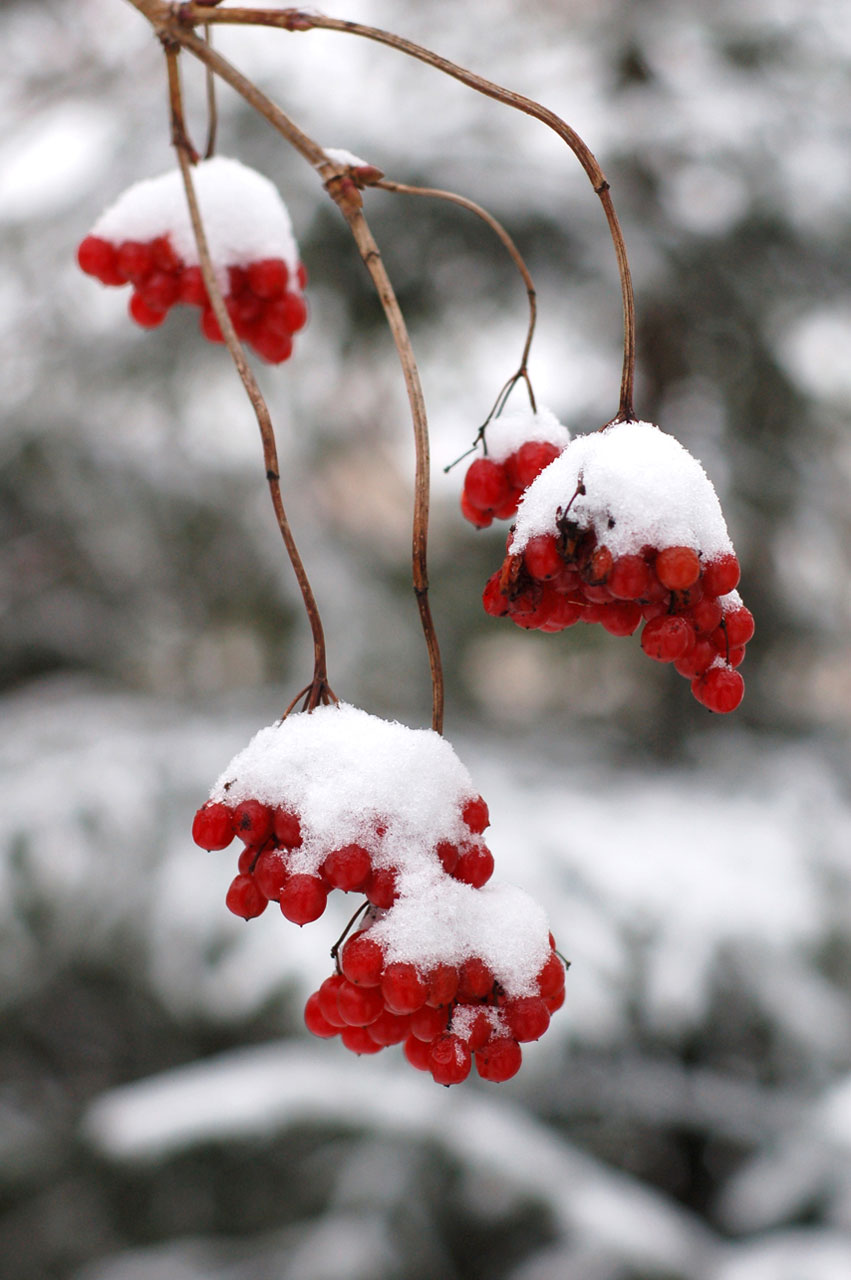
[319,690]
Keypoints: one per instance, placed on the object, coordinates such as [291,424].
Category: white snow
[348,775]
[505,434]
[641,487]
[245,219]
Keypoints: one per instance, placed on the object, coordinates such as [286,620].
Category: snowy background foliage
[163,1114]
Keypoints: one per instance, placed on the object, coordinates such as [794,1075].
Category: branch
[319,690]
[300,20]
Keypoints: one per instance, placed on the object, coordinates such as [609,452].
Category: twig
[301,20]
[319,690]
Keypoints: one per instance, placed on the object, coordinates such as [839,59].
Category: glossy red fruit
[475,866]
[442,983]
[402,987]
[523,466]
[542,557]
[449,1060]
[327,995]
[359,1041]
[630,578]
[252,822]
[427,1023]
[134,260]
[417,1052]
[347,868]
[721,575]
[315,1020]
[737,628]
[362,960]
[475,979]
[481,519]
[145,316]
[164,256]
[485,484]
[499,1060]
[97,258]
[268,278]
[666,638]
[212,827]
[381,888]
[191,290]
[358,1005]
[271,873]
[389,1028]
[677,568]
[493,599]
[286,828]
[475,814]
[528,1018]
[303,898]
[160,290]
[244,898]
[720,689]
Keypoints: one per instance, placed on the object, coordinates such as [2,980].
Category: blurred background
[163,1113]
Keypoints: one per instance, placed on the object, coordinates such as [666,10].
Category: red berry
[630,578]
[402,988]
[97,258]
[677,567]
[134,260]
[706,615]
[621,618]
[164,256]
[475,979]
[442,982]
[528,1018]
[315,1020]
[721,576]
[448,854]
[474,866]
[303,898]
[327,994]
[529,461]
[286,828]
[268,278]
[475,815]
[212,827]
[493,599]
[347,868]
[244,898]
[720,689]
[358,1005]
[695,661]
[362,960]
[667,638]
[428,1022]
[550,980]
[417,1052]
[274,348]
[191,290]
[500,1059]
[542,557]
[508,507]
[481,519]
[479,1031]
[286,315]
[160,290]
[737,628]
[210,326]
[389,1028]
[145,316]
[449,1060]
[485,484]
[252,822]
[358,1040]
[381,888]
[563,614]
[598,568]
[271,873]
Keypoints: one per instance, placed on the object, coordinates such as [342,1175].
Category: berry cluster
[451,964]
[265,306]
[520,446]
[146,240]
[590,545]
[446,1016]
[271,867]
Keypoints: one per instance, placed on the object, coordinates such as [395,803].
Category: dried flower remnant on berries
[145,239]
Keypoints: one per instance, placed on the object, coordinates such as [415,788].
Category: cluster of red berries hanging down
[145,239]
[519,446]
[458,969]
[624,528]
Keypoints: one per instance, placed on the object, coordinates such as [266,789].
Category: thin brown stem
[514,253]
[301,20]
[319,689]
[212,109]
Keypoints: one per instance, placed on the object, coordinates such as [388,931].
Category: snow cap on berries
[345,773]
[244,217]
[507,433]
[635,486]
[438,920]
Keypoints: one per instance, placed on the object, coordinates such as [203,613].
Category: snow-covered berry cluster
[146,240]
[457,967]
[519,446]
[625,528]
